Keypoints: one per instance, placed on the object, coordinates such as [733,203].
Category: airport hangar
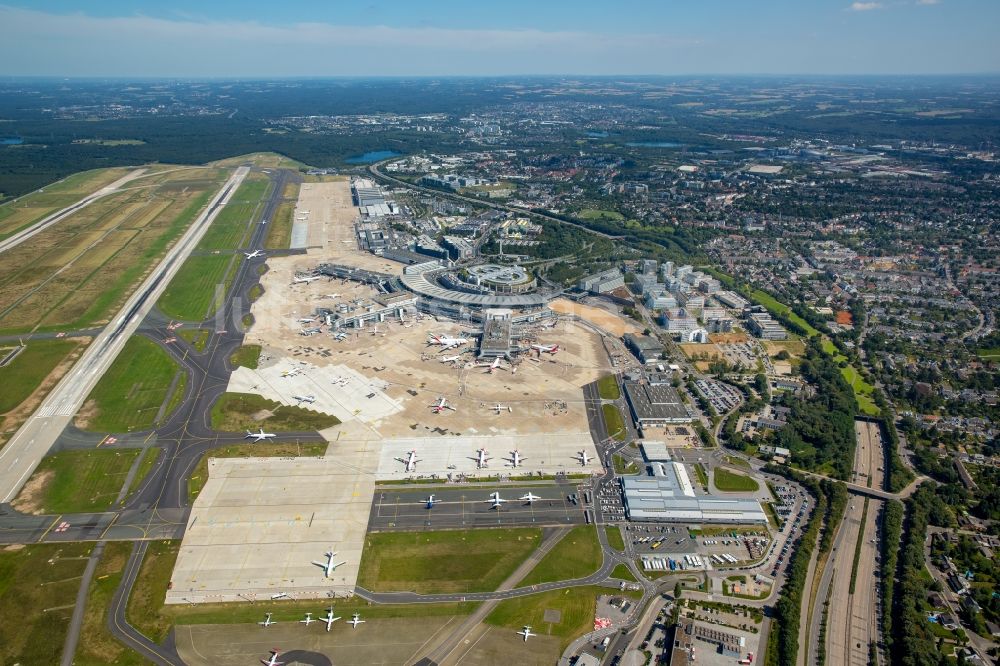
[668,496]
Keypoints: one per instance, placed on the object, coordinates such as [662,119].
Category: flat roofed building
[645,348]
[655,452]
[655,404]
[665,498]
[603,282]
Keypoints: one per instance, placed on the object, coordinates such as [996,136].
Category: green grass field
[613,421]
[97,646]
[989,354]
[76,481]
[25,373]
[732,482]
[615,539]
[622,572]
[246,356]
[191,295]
[236,411]
[444,561]
[229,228]
[577,555]
[577,606]
[34,578]
[776,307]
[623,465]
[597,214]
[699,471]
[148,460]
[130,394]
[196,337]
[199,476]
[279,230]
[862,390]
[608,387]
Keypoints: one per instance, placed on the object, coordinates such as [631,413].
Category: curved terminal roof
[419,283]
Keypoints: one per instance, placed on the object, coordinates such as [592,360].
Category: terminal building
[601,283]
[668,496]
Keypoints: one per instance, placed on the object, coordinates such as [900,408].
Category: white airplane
[529,498]
[515,458]
[273,661]
[499,408]
[305,398]
[292,372]
[482,458]
[260,436]
[526,632]
[583,458]
[450,359]
[410,460]
[309,619]
[304,280]
[495,365]
[430,502]
[375,330]
[446,341]
[329,566]
[496,500]
[356,620]
[546,349]
[266,621]
[441,405]
[254,254]
[329,619]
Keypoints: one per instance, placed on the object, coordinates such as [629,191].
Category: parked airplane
[410,460]
[499,408]
[310,331]
[304,280]
[254,254]
[450,359]
[430,502]
[292,372]
[329,619]
[260,436]
[441,405]
[375,330]
[307,320]
[515,458]
[482,458]
[526,632]
[496,500]
[583,458]
[446,341]
[546,349]
[495,365]
[329,566]
[267,621]
[309,619]
[273,661]
[529,498]
[304,398]
[356,620]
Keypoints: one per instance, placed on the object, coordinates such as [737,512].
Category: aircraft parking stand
[406,509]
[259,523]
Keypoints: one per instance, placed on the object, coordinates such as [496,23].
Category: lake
[11,141]
[372,156]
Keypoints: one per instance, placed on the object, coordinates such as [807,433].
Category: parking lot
[721,396]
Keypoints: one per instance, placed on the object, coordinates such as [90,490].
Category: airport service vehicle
[329,566]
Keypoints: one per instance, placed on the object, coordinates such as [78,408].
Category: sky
[297,38]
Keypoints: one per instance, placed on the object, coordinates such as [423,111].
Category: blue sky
[252,38]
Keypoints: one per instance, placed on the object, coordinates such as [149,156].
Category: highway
[24,451]
[14,240]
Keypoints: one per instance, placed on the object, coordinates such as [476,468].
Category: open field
[38,585]
[608,388]
[613,421]
[989,354]
[597,214]
[194,293]
[263,160]
[732,482]
[131,393]
[229,229]
[25,373]
[615,539]
[199,475]
[145,604]
[577,555]
[16,215]
[76,273]
[245,357]
[196,337]
[614,324]
[622,572]
[244,411]
[862,390]
[76,481]
[777,308]
[97,646]
[445,561]
[576,605]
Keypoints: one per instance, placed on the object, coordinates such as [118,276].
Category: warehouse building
[601,283]
[665,498]
[657,405]
[645,348]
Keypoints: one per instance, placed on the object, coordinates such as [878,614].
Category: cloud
[864,6]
